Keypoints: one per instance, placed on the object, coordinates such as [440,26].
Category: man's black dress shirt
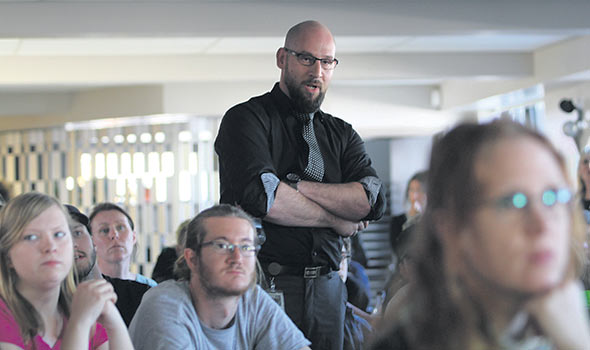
[264,136]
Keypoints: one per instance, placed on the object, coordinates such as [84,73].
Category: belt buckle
[312,272]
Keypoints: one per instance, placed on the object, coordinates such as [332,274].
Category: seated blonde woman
[497,257]
[40,307]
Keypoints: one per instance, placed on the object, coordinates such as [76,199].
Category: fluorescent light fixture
[119,138]
[70,183]
[205,135]
[185,136]
[145,137]
[160,137]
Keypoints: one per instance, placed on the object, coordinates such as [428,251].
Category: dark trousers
[317,306]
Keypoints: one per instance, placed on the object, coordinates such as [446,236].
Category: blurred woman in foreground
[499,250]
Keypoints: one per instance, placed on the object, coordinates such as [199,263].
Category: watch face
[292,177]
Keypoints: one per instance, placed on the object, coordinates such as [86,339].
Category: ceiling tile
[113,46]
[476,42]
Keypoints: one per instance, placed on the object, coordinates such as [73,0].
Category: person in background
[584,178]
[307,176]
[129,293]
[415,201]
[114,237]
[216,304]
[357,323]
[4,194]
[164,269]
[499,250]
[40,307]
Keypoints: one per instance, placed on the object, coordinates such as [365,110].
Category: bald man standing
[307,176]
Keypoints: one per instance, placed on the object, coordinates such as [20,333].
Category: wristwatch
[292,180]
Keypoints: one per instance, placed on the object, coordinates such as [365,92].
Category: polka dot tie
[315,162]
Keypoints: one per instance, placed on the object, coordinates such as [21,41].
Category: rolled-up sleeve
[357,167]
[245,164]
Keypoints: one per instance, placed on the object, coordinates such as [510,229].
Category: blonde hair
[14,217]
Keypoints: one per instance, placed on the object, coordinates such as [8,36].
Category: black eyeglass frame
[325,63]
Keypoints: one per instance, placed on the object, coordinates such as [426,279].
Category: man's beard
[301,101]
[84,271]
[205,278]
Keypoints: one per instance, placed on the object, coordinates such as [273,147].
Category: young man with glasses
[216,304]
[306,174]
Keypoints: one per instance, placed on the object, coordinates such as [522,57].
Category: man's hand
[347,228]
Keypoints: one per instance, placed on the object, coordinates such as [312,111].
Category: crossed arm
[338,206]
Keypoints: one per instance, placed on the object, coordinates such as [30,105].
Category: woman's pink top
[10,333]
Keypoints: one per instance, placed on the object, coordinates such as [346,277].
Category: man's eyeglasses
[225,248]
[519,200]
[309,60]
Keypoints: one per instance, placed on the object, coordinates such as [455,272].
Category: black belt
[275,269]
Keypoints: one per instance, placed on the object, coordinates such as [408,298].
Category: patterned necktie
[315,162]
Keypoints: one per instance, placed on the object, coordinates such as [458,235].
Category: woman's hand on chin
[562,315]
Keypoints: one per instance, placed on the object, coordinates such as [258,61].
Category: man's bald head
[304,30]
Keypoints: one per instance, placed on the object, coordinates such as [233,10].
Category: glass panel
[154,163]
[168,164]
[112,166]
[138,164]
[193,164]
[126,164]
[121,186]
[99,166]
[184,186]
[161,188]
[86,166]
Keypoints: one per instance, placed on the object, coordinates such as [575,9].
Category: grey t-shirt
[167,320]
